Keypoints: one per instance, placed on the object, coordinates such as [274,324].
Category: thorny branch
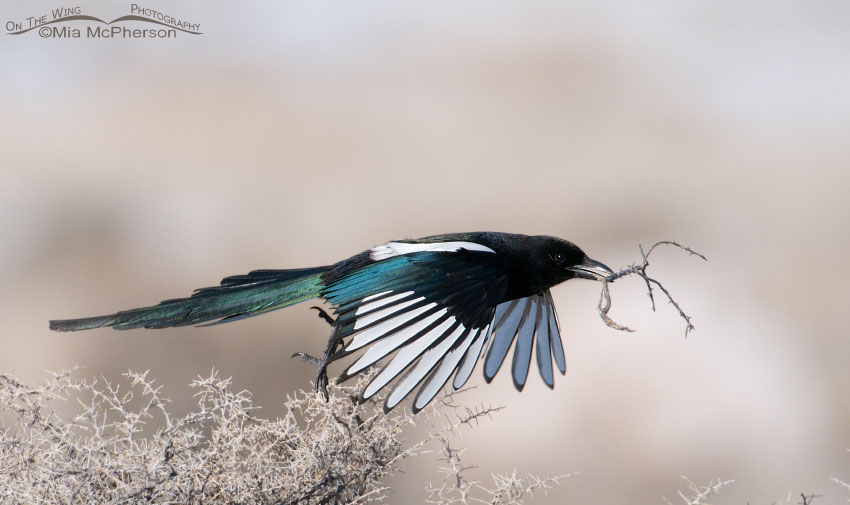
[640,270]
[506,488]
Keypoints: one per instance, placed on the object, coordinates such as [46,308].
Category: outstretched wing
[427,306]
[433,307]
[523,320]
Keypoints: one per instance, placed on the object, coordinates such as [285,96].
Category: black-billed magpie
[435,301]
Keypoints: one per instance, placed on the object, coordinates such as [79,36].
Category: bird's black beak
[591,269]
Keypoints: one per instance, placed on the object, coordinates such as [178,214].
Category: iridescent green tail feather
[237,297]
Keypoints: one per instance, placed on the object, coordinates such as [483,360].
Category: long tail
[237,297]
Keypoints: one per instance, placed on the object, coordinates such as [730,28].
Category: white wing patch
[391,249]
[422,367]
[441,374]
[366,307]
[374,316]
[407,355]
[369,334]
[391,343]
[372,297]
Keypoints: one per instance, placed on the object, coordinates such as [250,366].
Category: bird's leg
[322,373]
[323,362]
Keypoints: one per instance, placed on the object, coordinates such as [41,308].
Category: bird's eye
[559,257]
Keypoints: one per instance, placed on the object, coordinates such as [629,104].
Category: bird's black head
[550,260]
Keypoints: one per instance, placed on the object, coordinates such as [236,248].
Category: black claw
[324,315]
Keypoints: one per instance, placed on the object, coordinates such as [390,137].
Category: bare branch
[697,494]
[807,499]
[604,304]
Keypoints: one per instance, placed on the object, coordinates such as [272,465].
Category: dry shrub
[124,446]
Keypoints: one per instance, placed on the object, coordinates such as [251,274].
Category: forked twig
[640,270]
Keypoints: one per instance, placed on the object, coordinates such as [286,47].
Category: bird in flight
[435,302]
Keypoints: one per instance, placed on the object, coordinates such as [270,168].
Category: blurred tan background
[294,134]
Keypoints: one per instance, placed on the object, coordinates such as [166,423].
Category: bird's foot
[321,380]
